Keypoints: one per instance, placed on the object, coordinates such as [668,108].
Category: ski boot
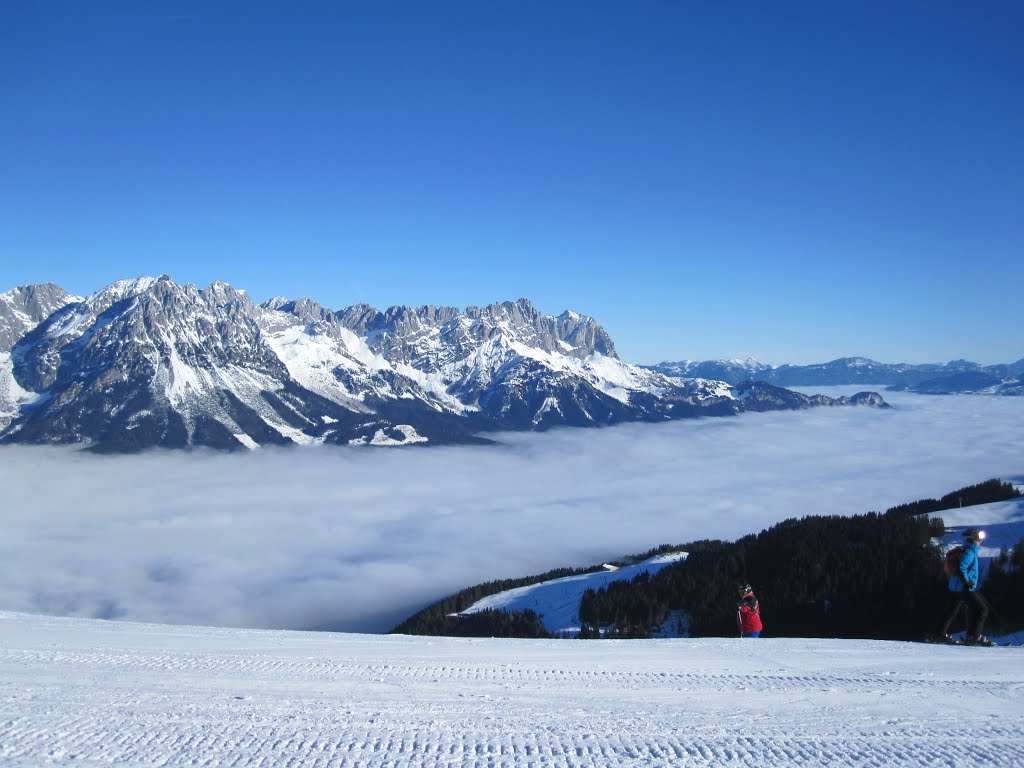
[978,640]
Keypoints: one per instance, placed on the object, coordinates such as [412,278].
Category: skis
[984,643]
[942,640]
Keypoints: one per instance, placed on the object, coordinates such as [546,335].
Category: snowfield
[88,692]
[557,602]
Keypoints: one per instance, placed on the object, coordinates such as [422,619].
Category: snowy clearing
[1003,523]
[88,692]
[557,602]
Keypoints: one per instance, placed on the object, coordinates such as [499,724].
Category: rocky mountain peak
[118,291]
[24,307]
[148,362]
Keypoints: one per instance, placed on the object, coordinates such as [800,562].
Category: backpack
[951,565]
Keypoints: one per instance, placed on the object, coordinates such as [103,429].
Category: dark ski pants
[971,603]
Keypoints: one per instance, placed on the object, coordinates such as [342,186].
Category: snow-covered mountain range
[148,362]
[956,376]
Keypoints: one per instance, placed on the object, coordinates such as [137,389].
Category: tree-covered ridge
[441,618]
[982,493]
[866,576]
[1004,587]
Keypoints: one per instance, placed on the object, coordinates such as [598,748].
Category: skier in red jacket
[748,613]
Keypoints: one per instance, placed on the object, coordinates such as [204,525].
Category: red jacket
[748,614]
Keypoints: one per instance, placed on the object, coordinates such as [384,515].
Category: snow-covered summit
[732,371]
[955,376]
[24,307]
[148,361]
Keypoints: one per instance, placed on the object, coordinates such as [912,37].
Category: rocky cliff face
[761,396]
[21,310]
[148,362]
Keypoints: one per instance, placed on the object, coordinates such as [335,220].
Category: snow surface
[381,438]
[557,602]
[312,358]
[12,395]
[88,692]
[1002,521]
[247,441]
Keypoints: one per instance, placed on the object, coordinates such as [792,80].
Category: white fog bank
[357,539]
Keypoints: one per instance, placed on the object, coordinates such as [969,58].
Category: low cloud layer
[357,539]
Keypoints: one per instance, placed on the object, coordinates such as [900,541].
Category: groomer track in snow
[82,692]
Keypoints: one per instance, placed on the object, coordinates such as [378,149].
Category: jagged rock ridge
[956,376]
[149,362]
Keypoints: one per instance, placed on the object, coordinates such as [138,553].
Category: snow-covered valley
[87,692]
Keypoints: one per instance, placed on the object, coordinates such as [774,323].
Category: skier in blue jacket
[963,588]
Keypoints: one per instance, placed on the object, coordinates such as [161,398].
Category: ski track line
[331,671]
[78,692]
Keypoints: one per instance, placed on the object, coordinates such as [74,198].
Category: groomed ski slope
[85,692]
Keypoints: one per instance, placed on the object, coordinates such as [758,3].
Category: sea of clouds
[357,539]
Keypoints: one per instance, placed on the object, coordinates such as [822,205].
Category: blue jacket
[968,569]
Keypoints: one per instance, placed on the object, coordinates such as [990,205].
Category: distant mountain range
[148,362]
[958,376]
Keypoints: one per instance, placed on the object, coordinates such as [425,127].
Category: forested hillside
[876,575]
[982,493]
[1004,588]
[868,576]
[440,618]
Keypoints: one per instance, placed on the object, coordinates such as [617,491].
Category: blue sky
[795,181]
